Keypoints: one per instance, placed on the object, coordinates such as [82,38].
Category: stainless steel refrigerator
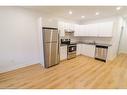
[51,46]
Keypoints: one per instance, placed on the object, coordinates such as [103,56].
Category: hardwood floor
[80,72]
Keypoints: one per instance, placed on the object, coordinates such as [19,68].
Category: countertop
[101,44]
[89,43]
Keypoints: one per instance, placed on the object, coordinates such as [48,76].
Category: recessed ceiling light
[70,12]
[82,16]
[97,13]
[118,8]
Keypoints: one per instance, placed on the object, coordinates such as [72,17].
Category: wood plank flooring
[80,72]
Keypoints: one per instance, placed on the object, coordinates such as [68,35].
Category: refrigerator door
[50,35]
[51,46]
[51,54]
[55,37]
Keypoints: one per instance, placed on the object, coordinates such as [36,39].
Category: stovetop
[67,41]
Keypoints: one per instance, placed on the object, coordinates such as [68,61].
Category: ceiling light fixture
[118,8]
[82,16]
[70,12]
[97,13]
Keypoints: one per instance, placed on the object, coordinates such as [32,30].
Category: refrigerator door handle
[58,47]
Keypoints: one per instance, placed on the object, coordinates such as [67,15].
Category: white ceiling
[87,11]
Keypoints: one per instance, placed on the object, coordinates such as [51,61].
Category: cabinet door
[85,30]
[105,29]
[66,26]
[88,50]
[61,28]
[82,49]
[63,52]
[81,30]
[71,27]
[78,51]
[76,30]
[92,30]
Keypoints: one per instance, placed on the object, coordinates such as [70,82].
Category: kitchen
[50,42]
[91,40]
[88,47]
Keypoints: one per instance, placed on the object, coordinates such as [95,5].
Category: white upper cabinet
[79,30]
[95,30]
[76,30]
[62,26]
[83,30]
[86,30]
[92,30]
[105,29]
[70,27]
[66,26]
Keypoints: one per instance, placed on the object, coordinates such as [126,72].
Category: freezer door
[55,36]
[50,35]
[51,54]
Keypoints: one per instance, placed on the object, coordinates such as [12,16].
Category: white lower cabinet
[79,48]
[86,49]
[63,52]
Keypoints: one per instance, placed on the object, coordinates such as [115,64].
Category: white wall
[115,38]
[50,22]
[19,38]
[53,22]
[123,42]
[40,38]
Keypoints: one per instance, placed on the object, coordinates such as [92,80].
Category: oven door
[71,48]
[71,51]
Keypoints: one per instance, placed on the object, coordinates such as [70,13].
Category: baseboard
[11,67]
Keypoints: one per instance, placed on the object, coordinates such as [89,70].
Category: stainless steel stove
[71,48]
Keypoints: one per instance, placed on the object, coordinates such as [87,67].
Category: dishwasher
[101,52]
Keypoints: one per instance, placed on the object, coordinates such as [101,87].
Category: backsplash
[70,35]
[103,40]
[73,39]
